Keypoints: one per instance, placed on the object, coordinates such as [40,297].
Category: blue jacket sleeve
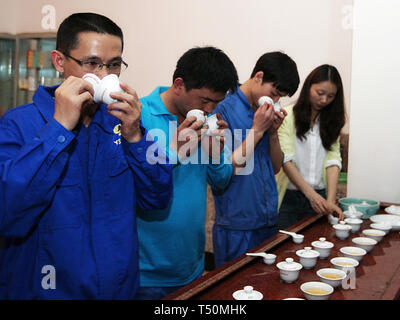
[152,172]
[219,175]
[29,171]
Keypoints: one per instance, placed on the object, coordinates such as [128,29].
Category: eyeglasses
[93,65]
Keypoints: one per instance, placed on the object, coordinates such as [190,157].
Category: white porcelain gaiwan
[210,121]
[355,224]
[323,247]
[264,99]
[248,293]
[342,230]
[198,114]
[352,214]
[289,270]
[308,257]
[102,88]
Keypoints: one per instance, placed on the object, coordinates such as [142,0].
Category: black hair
[279,69]
[207,67]
[67,34]
[332,117]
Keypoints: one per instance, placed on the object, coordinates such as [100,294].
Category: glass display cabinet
[25,63]
[7,72]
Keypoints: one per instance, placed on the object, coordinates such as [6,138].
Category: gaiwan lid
[342,226]
[307,252]
[353,220]
[322,243]
[247,294]
[289,265]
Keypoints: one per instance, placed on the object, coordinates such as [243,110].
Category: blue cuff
[56,134]
[145,150]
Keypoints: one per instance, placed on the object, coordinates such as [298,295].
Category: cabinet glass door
[7,74]
[35,67]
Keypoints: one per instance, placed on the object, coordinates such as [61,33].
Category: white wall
[158,32]
[374,157]
[8,16]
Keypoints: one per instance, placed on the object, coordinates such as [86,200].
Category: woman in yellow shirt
[309,138]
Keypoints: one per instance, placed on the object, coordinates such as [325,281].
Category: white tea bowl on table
[364,243]
[385,227]
[344,263]
[332,276]
[315,290]
[353,252]
[393,209]
[374,234]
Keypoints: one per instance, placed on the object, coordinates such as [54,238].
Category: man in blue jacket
[247,210]
[71,175]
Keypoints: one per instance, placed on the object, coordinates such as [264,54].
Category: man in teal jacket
[171,241]
[71,175]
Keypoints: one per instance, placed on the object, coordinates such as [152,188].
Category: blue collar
[44,101]
[243,98]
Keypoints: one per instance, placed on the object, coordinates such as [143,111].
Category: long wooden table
[377,276]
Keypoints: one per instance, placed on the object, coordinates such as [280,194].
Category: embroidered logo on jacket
[117,130]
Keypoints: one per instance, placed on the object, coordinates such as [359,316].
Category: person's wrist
[136,135]
[258,133]
[309,194]
[331,200]
[273,134]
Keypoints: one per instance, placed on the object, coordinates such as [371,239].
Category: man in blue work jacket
[247,209]
[71,175]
